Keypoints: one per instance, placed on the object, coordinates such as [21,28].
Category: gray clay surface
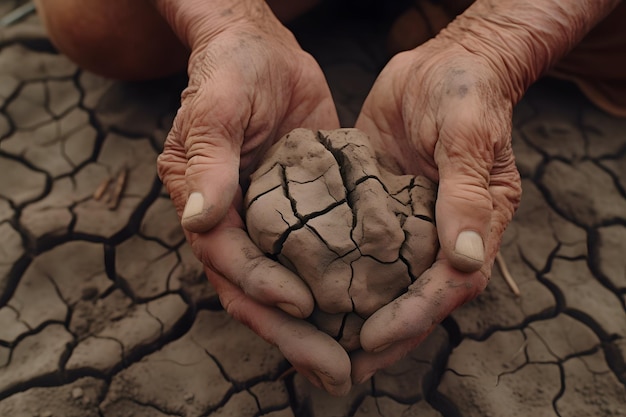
[105,313]
[357,234]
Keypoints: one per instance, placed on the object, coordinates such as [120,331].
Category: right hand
[249,84]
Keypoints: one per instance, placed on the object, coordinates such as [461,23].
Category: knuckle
[170,163]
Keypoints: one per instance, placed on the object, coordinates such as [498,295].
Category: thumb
[208,139]
[212,180]
[464,205]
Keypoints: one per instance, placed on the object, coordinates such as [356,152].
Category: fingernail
[290,309]
[470,245]
[194,206]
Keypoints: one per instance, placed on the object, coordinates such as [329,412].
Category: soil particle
[77,393]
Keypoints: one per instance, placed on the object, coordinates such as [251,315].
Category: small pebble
[77,393]
[189,397]
[46,414]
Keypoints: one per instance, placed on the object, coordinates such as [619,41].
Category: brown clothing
[598,64]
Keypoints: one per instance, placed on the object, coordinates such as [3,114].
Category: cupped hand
[313,353]
[444,112]
[249,84]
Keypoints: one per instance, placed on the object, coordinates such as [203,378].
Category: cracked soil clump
[357,234]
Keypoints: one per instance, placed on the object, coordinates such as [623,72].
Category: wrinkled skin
[457,133]
[263,87]
[442,110]
[445,113]
[422,128]
[220,131]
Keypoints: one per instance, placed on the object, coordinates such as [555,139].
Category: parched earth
[104,311]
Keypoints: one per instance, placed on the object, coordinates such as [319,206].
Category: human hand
[312,352]
[444,112]
[249,83]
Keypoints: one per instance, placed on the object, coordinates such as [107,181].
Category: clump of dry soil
[355,233]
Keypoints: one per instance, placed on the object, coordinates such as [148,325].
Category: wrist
[522,40]
[197,22]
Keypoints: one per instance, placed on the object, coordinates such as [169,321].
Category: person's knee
[128,40]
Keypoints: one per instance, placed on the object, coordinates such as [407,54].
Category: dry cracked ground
[104,312]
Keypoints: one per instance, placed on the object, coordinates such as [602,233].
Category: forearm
[197,21]
[525,38]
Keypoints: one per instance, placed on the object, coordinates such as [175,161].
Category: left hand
[444,112]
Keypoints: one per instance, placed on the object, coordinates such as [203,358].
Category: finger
[314,354]
[365,364]
[464,207]
[212,178]
[209,127]
[476,201]
[171,166]
[443,287]
[231,252]
[429,300]
[228,250]
[200,170]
